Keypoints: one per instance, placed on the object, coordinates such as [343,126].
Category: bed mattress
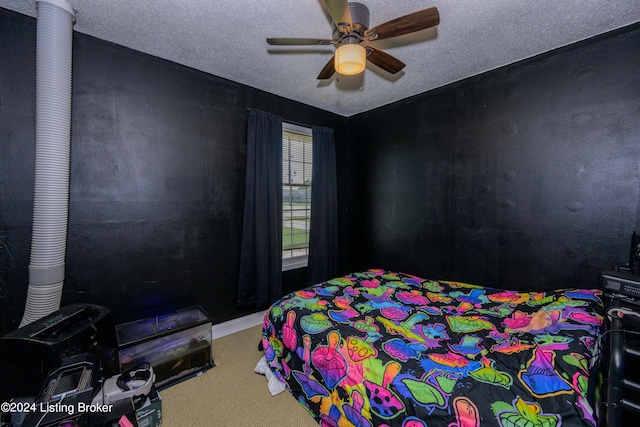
[382,348]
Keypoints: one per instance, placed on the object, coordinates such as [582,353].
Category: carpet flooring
[231,394]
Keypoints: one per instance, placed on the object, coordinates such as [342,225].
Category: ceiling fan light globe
[350,59]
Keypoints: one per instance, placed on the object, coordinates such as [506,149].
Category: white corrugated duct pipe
[54,36]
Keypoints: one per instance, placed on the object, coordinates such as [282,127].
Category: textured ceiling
[227,39]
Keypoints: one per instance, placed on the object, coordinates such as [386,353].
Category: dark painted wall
[525,176]
[157,178]
[522,177]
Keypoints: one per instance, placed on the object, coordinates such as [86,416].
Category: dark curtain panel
[323,235]
[260,281]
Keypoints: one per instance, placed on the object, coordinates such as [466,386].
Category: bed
[382,348]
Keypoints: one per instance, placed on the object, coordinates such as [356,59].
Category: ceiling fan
[351,29]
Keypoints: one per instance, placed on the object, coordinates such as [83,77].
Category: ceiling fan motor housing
[360,23]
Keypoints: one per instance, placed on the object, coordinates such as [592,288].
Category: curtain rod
[292,125]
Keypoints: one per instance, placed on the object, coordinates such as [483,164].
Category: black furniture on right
[622,391]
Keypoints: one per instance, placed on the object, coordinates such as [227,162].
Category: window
[296,195]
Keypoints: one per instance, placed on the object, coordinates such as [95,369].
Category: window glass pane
[296,193]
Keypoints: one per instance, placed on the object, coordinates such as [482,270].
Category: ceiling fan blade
[328,70]
[416,21]
[297,41]
[384,60]
[340,13]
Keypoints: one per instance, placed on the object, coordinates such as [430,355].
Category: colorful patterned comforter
[380,348]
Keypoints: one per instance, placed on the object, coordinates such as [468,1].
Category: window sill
[295,262]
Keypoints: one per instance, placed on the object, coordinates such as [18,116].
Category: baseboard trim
[236,325]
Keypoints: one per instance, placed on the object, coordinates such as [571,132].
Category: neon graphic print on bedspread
[378,348]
